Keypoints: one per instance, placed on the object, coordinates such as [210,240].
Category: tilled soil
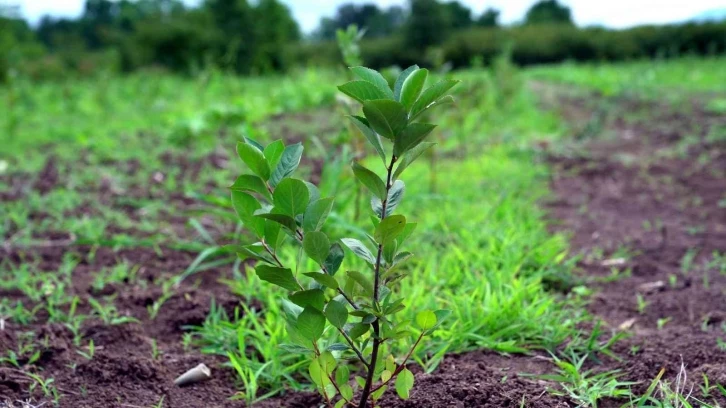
[648,193]
[628,192]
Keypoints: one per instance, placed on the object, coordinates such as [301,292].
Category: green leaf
[389,229]
[388,118]
[404,383]
[248,182]
[272,235]
[254,159]
[411,156]
[358,330]
[363,126]
[317,374]
[323,279]
[245,206]
[359,249]
[441,315]
[398,86]
[288,163]
[370,180]
[336,313]
[291,197]
[376,395]
[342,376]
[313,191]
[414,134]
[363,281]
[254,251]
[373,77]
[327,362]
[317,246]
[362,91]
[316,214]
[412,87]
[431,95]
[395,195]
[335,259]
[426,320]
[410,227]
[273,153]
[311,297]
[254,143]
[278,276]
[295,348]
[311,323]
[282,219]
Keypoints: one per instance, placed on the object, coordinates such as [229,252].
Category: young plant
[346,322]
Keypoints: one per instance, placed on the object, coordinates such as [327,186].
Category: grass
[642,78]
[122,149]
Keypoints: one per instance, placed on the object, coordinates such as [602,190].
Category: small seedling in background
[88,355]
[687,260]
[662,322]
[360,306]
[673,280]
[642,304]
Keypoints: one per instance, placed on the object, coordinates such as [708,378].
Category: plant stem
[377,277]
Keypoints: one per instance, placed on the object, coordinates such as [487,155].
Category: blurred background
[46,39]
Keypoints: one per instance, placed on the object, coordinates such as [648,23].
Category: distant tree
[275,29]
[427,25]
[489,18]
[548,11]
[376,22]
[459,15]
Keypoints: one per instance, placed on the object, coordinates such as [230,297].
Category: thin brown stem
[355,349]
[401,366]
[377,278]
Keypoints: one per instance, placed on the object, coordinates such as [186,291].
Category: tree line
[249,37]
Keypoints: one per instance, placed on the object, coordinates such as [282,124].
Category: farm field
[571,217]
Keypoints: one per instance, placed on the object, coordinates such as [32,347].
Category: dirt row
[623,194]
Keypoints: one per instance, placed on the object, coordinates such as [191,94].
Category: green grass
[642,78]
[482,247]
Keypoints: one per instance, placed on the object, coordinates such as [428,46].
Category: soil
[605,192]
[631,192]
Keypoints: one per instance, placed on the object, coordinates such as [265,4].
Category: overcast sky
[612,13]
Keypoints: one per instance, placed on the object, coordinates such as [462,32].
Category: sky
[611,13]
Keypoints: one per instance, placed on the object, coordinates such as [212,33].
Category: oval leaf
[388,118]
[414,134]
[288,163]
[273,153]
[389,229]
[373,77]
[359,249]
[362,91]
[370,180]
[291,197]
[311,297]
[431,95]
[336,313]
[404,383]
[334,260]
[310,323]
[324,279]
[426,320]
[369,134]
[316,246]
[400,80]
[282,277]
[245,205]
[395,195]
[412,87]
[254,159]
[316,214]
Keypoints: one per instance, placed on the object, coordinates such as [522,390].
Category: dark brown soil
[632,192]
[122,372]
[604,196]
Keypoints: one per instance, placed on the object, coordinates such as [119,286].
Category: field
[572,218]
